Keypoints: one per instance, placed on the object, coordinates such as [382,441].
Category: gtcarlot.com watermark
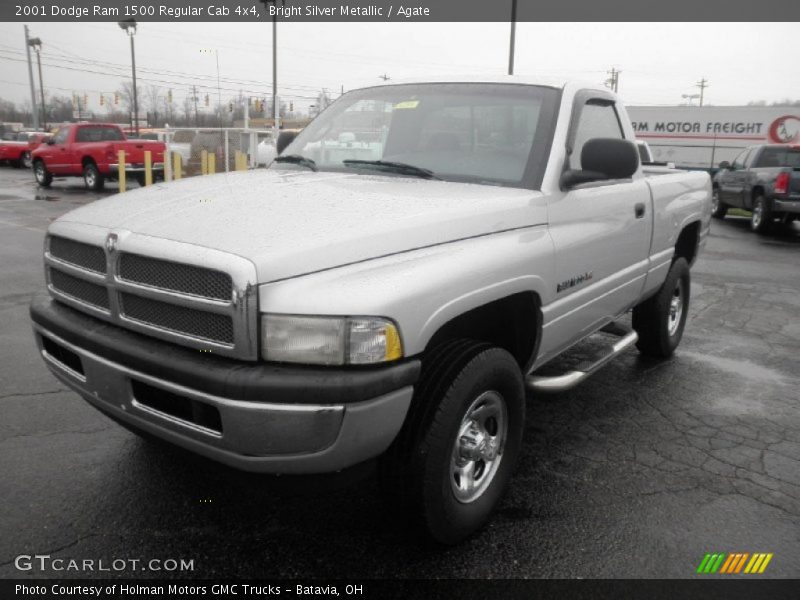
[45,563]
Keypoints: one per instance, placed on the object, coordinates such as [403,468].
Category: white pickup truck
[334,309]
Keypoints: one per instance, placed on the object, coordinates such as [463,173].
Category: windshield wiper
[397,167]
[297,159]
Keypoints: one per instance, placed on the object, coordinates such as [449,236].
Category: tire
[761,218]
[660,320]
[26,161]
[43,177]
[454,457]
[139,177]
[718,208]
[92,177]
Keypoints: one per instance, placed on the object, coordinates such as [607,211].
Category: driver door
[56,157]
[601,233]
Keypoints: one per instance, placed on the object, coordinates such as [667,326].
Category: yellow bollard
[121,167]
[148,167]
[176,166]
[212,163]
[239,162]
[204,162]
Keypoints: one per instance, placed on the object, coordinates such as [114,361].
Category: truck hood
[290,223]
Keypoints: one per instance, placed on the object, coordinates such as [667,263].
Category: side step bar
[561,383]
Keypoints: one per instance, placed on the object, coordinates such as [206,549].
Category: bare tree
[152,97]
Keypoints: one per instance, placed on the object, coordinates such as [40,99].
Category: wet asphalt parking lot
[637,473]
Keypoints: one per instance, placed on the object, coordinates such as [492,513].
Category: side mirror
[724,165]
[603,159]
[284,139]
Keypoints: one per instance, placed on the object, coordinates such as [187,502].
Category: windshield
[481,133]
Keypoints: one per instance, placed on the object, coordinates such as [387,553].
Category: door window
[598,119]
[61,136]
[738,162]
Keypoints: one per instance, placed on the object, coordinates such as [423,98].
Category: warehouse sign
[779,125]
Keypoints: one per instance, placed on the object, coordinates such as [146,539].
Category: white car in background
[266,150]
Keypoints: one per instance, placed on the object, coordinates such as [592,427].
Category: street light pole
[34,112]
[129,26]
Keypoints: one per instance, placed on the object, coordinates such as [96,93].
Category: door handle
[638,210]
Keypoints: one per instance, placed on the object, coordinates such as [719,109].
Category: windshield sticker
[407,104]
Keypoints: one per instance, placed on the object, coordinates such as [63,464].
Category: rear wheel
[92,177]
[718,208]
[26,161]
[458,448]
[761,218]
[43,177]
[660,320]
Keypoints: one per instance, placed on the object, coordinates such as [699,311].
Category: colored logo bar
[734,563]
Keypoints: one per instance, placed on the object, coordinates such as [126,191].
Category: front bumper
[252,416]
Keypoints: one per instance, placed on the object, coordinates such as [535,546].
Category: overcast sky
[659,61]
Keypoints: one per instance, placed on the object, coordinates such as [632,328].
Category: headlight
[329,340]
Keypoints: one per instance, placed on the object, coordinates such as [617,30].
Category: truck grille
[177,277]
[78,254]
[197,323]
[205,307]
[82,290]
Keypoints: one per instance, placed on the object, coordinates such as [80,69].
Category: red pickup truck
[90,150]
[17,152]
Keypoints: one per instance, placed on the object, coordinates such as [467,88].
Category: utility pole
[194,97]
[702,84]
[613,81]
[30,79]
[276,112]
[513,36]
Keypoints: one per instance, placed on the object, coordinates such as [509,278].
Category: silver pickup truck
[389,288]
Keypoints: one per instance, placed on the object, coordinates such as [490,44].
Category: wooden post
[212,163]
[204,162]
[148,167]
[177,171]
[167,166]
[121,167]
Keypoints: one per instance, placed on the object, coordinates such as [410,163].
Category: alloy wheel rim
[757,215]
[675,309]
[478,447]
[39,172]
[715,200]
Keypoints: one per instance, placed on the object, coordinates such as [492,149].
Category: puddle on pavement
[742,368]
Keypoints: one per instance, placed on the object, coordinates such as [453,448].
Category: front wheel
[92,177]
[718,208]
[761,218]
[660,320]
[43,177]
[458,448]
